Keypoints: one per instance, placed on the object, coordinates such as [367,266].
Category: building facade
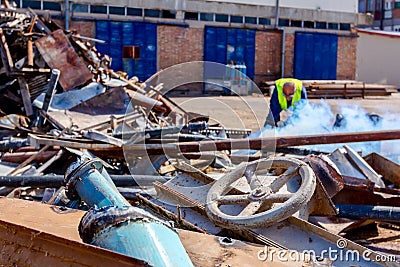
[386,13]
[273,39]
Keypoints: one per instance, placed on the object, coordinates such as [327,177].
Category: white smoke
[318,118]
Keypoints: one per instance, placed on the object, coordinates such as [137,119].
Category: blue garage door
[315,56]
[222,45]
[120,34]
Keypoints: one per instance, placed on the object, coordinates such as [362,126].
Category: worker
[287,94]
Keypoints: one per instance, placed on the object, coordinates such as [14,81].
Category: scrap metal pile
[135,167]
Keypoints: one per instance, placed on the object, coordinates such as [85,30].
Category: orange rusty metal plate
[35,234]
[59,53]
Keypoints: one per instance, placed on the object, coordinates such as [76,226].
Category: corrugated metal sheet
[222,45]
[315,56]
[120,34]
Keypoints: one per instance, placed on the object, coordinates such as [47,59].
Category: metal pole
[51,89]
[277,14]
[66,15]
[382,14]
[381,213]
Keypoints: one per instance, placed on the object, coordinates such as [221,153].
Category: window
[134,12]
[264,21]
[295,23]
[345,26]
[370,6]
[131,52]
[250,20]
[117,10]
[221,17]
[31,4]
[191,15]
[51,6]
[284,22]
[207,16]
[98,9]
[17,3]
[320,25]
[308,24]
[80,8]
[236,19]
[152,13]
[168,14]
[333,26]
[362,6]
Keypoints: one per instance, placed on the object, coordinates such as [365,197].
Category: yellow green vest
[297,94]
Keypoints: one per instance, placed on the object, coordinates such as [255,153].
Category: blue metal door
[120,34]
[222,45]
[315,56]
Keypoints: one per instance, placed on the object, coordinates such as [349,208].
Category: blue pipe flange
[76,169]
[98,219]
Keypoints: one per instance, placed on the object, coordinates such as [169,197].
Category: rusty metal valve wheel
[261,195]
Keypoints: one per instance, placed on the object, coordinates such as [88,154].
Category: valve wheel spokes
[280,205]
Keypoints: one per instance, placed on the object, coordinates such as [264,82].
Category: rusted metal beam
[5,54]
[19,157]
[26,97]
[270,142]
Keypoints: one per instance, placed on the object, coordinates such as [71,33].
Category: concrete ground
[251,111]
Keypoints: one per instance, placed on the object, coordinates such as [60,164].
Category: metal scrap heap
[117,173]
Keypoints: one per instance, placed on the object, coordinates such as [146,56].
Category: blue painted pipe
[136,233]
[112,223]
[84,179]
[381,213]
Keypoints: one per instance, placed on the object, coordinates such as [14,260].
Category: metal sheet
[58,53]
[385,167]
[315,55]
[222,45]
[34,234]
[119,34]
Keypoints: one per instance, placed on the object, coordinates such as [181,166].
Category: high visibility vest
[297,94]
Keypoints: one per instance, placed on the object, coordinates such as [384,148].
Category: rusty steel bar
[271,142]
[19,157]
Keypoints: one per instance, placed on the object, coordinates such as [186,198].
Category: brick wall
[84,28]
[289,54]
[268,56]
[178,45]
[346,58]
